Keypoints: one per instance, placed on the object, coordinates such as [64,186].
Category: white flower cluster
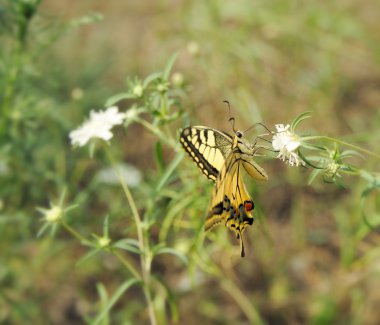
[99,125]
[287,143]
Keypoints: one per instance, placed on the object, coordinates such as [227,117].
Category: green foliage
[121,249]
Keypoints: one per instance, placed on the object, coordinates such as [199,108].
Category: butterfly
[222,158]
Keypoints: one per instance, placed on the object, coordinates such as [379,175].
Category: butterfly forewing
[207,147]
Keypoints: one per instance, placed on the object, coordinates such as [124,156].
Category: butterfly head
[242,143]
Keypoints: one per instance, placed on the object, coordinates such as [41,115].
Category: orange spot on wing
[248,205]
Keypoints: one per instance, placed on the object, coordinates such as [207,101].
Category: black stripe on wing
[189,144]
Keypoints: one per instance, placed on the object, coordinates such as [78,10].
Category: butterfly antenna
[261,124]
[231,119]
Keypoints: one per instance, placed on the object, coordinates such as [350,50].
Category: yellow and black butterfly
[222,158]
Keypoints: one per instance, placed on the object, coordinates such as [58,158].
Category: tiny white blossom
[53,214]
[193,48]
[103,241]
[177,79]
[286,143]
[332,169]
[98,126]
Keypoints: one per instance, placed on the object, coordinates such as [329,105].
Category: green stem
[9,91]
[148,297]
[164,105]
[131,201]
[164,111]
[126,263]
[157,132]
[13,75]
[73,232]
[235,292]
[317,137]
[145,258]
[243,301]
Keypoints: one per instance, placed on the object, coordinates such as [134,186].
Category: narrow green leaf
[102,293]
[103,301]
[169,66]
[367,191]
[150,78]
[106,225]
[349,154]
[42,230]
[91,149]
[62,197]
[86,242]
[338,181]
[118,97]
[374,185]
[370,178]
[307,161]
[71,207]
[299,119]
[172,251]
[171,214]
[131,241]
[159,156]
[170,169]
[53,229]
[349,168]
[157,247]
[313,147]
[170,298]
[114,298]
[313,176]
[366,221]
[90,254]
[129,244]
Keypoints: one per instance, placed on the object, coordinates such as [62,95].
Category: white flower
[98,126]
[53,214]
[332,169]
[193,48]
[103,241]
[177,79]
[110,116]
[130,173]
[287,143]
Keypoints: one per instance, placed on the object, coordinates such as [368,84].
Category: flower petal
[98,126]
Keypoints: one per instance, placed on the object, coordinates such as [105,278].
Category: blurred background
[312,257]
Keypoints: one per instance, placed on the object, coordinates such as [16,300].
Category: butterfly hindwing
[231,202]
[207,147]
